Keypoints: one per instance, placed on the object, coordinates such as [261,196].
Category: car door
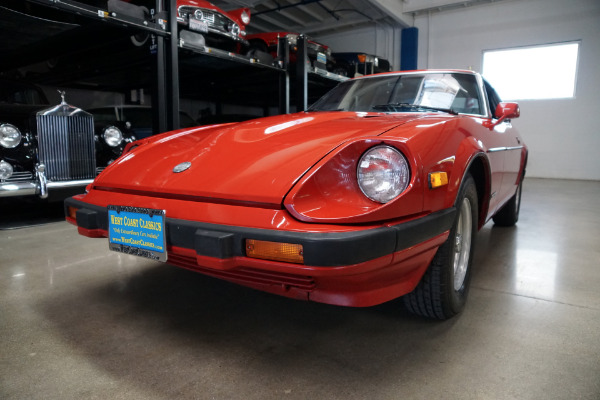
[505,153]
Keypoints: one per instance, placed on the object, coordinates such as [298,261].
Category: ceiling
[324,17]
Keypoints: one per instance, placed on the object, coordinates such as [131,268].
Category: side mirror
[507,110]
[504,111]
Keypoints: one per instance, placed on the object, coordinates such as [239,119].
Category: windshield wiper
[395,106]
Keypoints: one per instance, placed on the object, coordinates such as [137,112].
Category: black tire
[443,290]
[509,213]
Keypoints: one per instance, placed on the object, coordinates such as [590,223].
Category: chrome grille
[19,177]
[66,143]
[213,19]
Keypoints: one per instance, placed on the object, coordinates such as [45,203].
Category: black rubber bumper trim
[320,249]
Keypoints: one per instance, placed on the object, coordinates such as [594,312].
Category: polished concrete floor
[80,322]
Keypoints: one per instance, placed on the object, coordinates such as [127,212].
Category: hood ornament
[182,167]
[62,94]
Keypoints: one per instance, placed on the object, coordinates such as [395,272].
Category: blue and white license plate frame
[137,231]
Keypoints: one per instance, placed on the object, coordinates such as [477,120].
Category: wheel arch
[479,169]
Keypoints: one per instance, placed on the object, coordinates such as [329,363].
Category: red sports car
[376,192]
[215,27]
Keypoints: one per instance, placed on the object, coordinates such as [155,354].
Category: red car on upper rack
[212,25]
[268,42]
[201,22]
[376,192]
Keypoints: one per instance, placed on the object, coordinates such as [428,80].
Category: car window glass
[139,117]
[493,98]
[103,115]
[20,94]
[456,91]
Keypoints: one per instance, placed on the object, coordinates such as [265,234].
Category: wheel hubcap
[462,244]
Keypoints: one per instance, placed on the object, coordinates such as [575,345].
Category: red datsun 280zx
[376,192]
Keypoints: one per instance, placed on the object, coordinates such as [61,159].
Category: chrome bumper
[39,187]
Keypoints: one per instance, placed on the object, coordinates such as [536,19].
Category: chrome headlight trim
[10,136]
[6,170]
[112,136]
[234,28]
[383,173]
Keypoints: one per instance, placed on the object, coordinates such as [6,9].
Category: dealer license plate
[137,231]
[199,26]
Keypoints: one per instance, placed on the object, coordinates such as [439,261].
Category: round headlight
[245,17]
[383,173]
[112,136]
[10,136]
[234,28]
[6,170]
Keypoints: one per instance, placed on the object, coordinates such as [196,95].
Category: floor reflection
[535,273]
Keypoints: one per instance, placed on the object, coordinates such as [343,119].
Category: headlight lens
[383,173]
[292,39]
[234,28]
[10,136]
[245,17]
[112,136]
[6,170]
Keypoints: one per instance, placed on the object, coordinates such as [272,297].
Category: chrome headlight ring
[10,136]
[234,28]
[112,136]
[6,170]
[383,173]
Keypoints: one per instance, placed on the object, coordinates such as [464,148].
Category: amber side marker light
[72,212]
[437,179]
[362,58]
[275,251]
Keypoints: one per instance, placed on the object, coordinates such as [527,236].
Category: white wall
[563,135]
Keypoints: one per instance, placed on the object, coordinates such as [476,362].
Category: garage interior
[78,321]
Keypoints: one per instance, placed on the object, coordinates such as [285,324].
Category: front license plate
[137,231]
[199,26]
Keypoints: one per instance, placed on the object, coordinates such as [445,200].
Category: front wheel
[442,292]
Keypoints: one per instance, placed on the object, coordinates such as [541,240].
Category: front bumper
[40,186]
[361,267]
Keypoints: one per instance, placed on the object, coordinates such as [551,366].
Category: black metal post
[302,63]
[159,97]
[283,53]
[173,73]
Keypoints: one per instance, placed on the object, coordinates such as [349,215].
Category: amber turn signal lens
[437,179]
[72,212]
[362,58]
[275,251]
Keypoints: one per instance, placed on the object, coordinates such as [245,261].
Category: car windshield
[413,92]
[16,93]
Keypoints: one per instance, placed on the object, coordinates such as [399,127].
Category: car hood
[256,161]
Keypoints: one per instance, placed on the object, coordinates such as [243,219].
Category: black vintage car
[50,151]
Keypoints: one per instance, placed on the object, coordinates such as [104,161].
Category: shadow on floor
[23,213]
